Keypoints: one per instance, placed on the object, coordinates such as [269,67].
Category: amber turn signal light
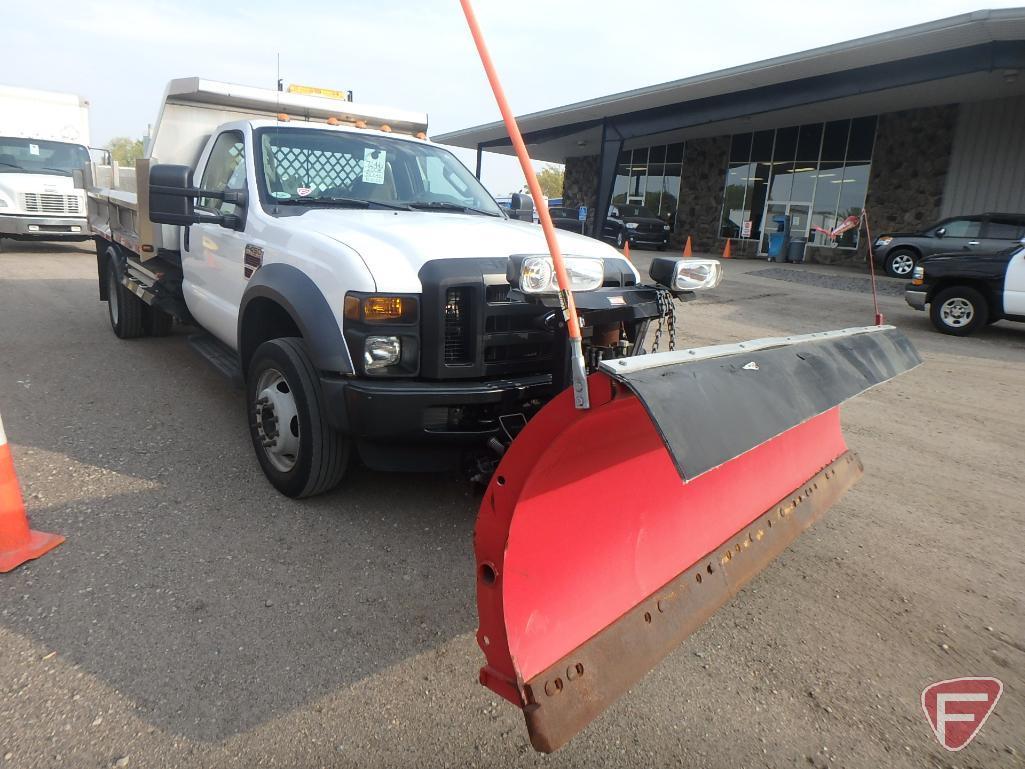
[381,309]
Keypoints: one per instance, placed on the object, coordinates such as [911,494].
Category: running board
[222,358]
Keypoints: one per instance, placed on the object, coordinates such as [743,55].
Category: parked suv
[636,224]
[982,233]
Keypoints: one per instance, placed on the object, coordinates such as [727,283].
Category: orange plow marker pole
[569,308]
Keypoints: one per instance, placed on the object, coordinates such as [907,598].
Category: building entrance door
[800,220]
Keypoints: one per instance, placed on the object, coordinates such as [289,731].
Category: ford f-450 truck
[361,283]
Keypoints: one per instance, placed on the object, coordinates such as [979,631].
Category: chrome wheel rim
[957,312]
[903,264]
[112,297]
[277,420]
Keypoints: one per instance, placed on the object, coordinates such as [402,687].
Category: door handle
[973,242]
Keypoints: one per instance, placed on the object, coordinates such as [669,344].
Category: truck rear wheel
[156,321]
[124,308]
[299,452]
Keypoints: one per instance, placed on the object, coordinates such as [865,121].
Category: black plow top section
[711,404]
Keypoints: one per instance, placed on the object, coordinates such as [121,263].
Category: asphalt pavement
[195,618]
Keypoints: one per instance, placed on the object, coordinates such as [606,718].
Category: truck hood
[394,245]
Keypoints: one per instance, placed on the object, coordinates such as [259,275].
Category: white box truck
[44,137]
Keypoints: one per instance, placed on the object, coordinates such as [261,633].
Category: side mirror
[521,207]
[941,232]
[172,199]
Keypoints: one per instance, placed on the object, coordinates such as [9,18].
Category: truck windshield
[36,156]
[308,166]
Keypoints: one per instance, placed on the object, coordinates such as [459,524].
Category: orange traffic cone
[726,251]
[687,251]
[18,543]
[626,251]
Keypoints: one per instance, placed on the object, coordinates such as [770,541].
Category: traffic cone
[626,251]
[687,250]
[18,543]
[726,251]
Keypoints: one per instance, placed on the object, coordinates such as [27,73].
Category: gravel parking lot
[194,618]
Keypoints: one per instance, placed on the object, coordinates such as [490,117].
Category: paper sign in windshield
[373,166]
[33,149]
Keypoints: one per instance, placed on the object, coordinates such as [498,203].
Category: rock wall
[580,185]
[701,191]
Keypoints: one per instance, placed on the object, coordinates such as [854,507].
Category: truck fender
[298,295]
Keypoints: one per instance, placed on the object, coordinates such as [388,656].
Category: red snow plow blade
[608,535]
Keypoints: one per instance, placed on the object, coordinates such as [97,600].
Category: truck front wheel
[959,310]
[299,452]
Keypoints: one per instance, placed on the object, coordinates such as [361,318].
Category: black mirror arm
[238,197]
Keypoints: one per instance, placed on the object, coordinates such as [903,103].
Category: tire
[620,240]
[901,263]
[124,308]
[959,311]
[156,321]
[312,457]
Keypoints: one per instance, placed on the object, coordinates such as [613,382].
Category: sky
[416,54]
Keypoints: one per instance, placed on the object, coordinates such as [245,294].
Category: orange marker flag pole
[569,308]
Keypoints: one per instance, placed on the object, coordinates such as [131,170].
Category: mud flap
[607,536]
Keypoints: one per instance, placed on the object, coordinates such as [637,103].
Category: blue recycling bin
[779,240]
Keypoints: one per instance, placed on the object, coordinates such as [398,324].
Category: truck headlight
[686,274]
[666,228]
[918,275]
[884,240]
[632,225]
[536,274]
[381,352]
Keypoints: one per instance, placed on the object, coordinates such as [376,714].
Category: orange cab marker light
[333,121]
[361,124]
[421,135]
[283,117]
[386,128]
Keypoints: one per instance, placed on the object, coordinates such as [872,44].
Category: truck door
[1014,285]
[213,263]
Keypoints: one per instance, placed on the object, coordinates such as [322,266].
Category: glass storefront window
[650,177]
[818,173]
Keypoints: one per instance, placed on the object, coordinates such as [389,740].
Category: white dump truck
[356,277]
[374,299]
[44,137]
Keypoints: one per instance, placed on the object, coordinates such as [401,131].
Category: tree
[125,151]
[550,178]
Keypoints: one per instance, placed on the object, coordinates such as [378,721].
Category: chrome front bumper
[915,297]
[44,226]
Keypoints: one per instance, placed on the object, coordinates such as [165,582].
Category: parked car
[636,224]
[966,291]
[565,218]
[979,234]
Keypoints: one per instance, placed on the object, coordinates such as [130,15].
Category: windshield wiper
[437,205]
[11,165]
[341,203]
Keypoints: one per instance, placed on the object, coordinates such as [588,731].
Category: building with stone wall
[909,126]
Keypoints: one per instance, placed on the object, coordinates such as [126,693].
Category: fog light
[381,351]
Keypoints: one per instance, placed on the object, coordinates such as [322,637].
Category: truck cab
[369,292]
[43,137]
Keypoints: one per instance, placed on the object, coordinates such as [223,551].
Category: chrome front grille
[50,203]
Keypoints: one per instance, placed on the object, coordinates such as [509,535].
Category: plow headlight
[536,274]
[686,274]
